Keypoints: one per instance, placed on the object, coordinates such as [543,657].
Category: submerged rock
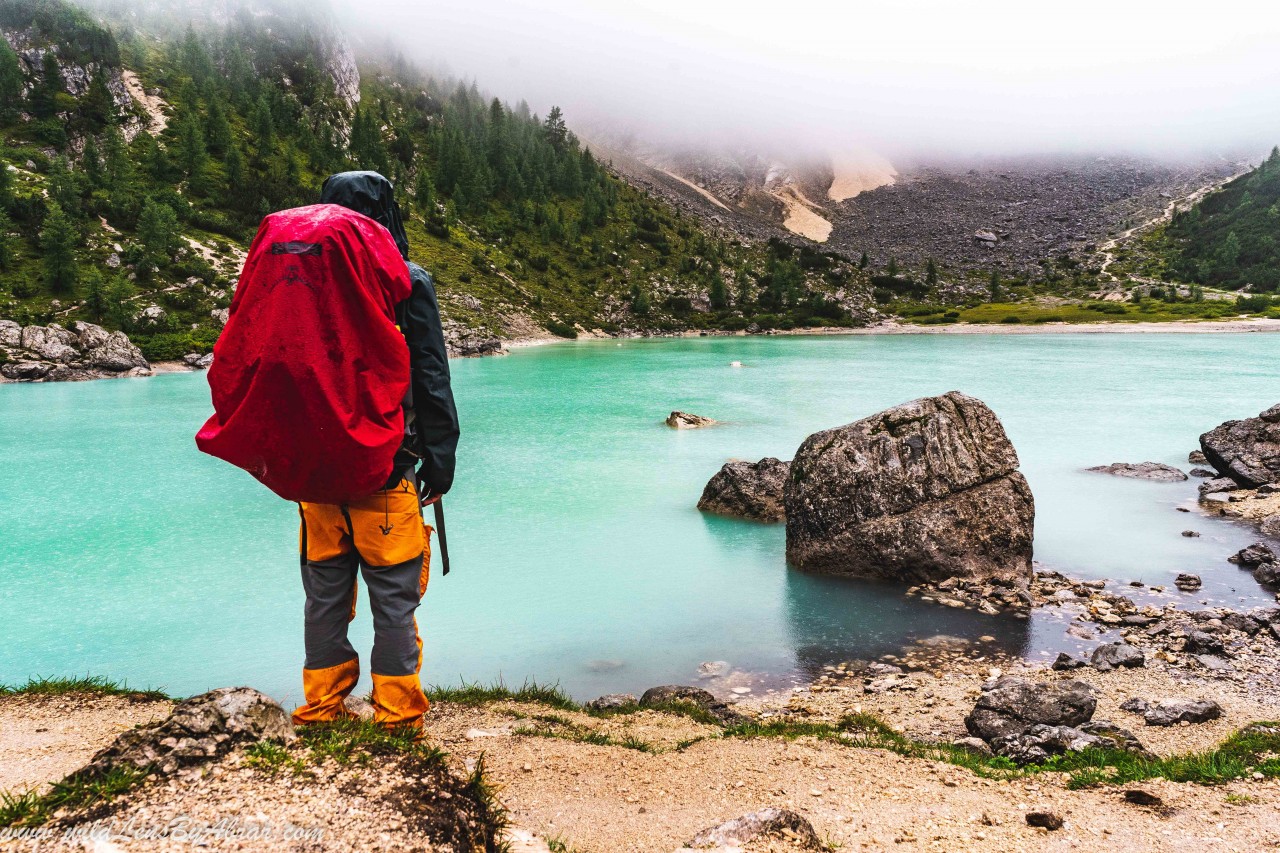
[779,824]
[924,491]
[747,490]
[1012,705]
[200,729]
[1197,457]
[685,420]
[1247,451]
[1142,471]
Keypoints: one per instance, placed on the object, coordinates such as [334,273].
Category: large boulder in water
[1247,451]
[747,490]
[920,492]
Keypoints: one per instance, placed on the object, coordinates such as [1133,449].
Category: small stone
[1139,797]
[1191,534]
[1065,661]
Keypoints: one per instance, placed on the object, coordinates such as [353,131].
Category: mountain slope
[137,214]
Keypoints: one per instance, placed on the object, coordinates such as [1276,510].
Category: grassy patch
[551,726]
[695,712]
[274,758]
[35,809]
[1241,755]
[92,684]
[359,741]
[476,694]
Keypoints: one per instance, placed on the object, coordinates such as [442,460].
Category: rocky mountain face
[54,353]
[1007,214]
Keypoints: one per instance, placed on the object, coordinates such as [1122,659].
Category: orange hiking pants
[383,538]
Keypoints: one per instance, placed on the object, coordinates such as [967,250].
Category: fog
[905,78]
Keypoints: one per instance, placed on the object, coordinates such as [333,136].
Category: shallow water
[578,555]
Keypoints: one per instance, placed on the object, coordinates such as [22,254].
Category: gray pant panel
[330,585]
[393,598]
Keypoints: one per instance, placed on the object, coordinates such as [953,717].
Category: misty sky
[899,77]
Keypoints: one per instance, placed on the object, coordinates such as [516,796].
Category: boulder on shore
[1247,451]
[1012,706]
[200,729]
[747,490]
[1142,471]
[56,354]
[686,420]
[924,491]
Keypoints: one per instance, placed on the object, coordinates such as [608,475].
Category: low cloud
[905,78]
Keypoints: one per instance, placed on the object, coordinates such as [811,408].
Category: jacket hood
[371,194]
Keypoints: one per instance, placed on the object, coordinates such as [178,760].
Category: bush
[1012,318]
[1049,318]
[562,330]
[172,346]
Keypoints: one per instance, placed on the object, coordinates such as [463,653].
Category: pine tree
[424,191]
[91,162]
[58,240]
[931,273]
[117,308]
[193,157]
[11,83]
[557,132]
[44,94]
[994,286]
[892,269]
[863,261]
[97,107]
[158,234]
[6,185]
[95,293]
[6,246]
[217,129]
[64,189]
[718,295]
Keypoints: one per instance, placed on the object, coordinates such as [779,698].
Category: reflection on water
[831,620]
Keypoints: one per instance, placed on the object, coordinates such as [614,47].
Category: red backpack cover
[309,375]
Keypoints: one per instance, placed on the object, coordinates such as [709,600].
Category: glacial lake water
[578,554]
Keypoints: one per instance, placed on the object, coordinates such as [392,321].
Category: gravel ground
[43,738]
[594,797]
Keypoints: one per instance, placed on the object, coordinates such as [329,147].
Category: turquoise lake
[578,554]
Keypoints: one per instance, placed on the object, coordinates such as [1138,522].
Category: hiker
[331,386]
[393,562]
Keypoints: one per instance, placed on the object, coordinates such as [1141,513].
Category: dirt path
[1107,249]
[43,738]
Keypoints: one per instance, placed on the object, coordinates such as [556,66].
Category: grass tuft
[360,741]
[91,684]
[274,758]
[474,693]
[32,809]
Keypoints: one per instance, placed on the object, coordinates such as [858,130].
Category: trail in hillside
[1107,249]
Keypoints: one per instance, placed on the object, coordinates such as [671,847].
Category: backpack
[310,372]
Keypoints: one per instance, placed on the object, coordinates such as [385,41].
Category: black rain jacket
[431,419]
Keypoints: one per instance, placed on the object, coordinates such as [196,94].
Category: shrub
[562,330]
[1012,318]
